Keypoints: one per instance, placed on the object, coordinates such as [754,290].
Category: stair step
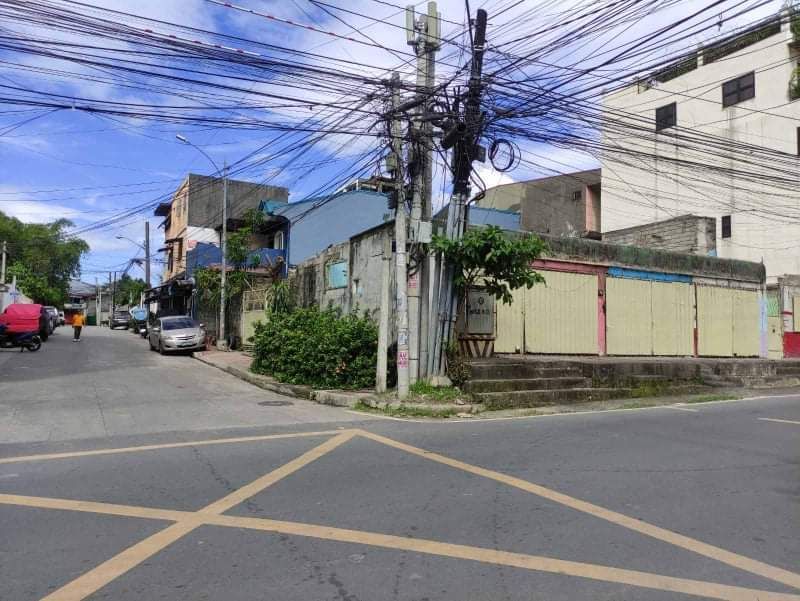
[508,385]
[522,370]
[788,370]
[542,398]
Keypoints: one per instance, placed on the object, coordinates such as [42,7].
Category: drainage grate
[276,403]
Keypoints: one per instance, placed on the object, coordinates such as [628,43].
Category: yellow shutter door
[746,323]
[714,321]
[796,313]
[510,324]
[628,317]
[673,318]
[561,315]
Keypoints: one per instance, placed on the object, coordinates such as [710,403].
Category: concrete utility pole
[424,35]
[383,317]
[114,297]
[147,253]
[222,343]
[3,266]
[401,261]
[463,137]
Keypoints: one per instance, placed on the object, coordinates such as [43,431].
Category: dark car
[55,321]
[120,319]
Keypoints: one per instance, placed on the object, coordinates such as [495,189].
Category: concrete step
[542,398]
[522,370]
[512,384]
[788,370]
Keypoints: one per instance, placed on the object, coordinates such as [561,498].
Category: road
[125,475]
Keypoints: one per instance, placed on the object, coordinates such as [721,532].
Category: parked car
[176,333]
[120,319]
[52,312]
[62,320]
[139,321]
[45,324]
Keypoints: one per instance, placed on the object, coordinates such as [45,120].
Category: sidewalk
[238,364]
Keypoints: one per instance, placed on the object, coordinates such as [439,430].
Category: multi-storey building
[195,212]
[715,134]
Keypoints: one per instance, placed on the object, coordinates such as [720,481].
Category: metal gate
[728,322]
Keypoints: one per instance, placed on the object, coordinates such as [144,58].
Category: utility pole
[400,232]
[383,317]
[462,136]
[114,297]
[147,253]
[222,343]
[424,36]
[3,266]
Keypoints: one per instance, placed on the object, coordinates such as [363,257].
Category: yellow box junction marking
[187,521]
[158,447]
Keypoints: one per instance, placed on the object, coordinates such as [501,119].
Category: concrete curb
[335,398]
[265,382]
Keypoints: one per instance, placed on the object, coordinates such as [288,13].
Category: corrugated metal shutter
[714,321]
[510,324]
[673,318]
[796,313]
[561,316]
[629,322]
[746,323]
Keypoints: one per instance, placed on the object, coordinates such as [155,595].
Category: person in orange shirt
[77,326]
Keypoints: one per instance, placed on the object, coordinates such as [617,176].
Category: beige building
[195,212]
[715,134]
[562,205]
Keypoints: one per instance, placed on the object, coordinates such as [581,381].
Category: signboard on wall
[480,312]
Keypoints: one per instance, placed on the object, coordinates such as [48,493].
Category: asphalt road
[177,493]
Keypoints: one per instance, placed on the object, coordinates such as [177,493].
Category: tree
[42,257]
[129,290]
[501,263]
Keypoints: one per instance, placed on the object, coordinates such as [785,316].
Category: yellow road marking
[169,445]
[780,421]
[187,521]
[97,578]
[673,538]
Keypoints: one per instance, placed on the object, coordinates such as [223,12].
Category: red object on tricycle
[20,318]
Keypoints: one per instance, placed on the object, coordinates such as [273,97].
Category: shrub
[319,348]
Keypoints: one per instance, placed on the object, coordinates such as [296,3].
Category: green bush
[319,348]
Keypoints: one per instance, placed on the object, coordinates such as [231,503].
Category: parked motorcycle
[23,340]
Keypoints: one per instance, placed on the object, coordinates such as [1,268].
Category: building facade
[195,210]
[714,134]
[562,205]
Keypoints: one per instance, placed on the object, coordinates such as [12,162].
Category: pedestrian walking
[77,326]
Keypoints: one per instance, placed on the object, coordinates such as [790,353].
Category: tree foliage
[501,263]
[42,257]
[129,290]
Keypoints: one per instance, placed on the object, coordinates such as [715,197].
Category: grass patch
[426,392]
[649,389]
[408,411]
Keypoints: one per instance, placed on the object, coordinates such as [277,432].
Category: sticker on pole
[413,281]
[402,359]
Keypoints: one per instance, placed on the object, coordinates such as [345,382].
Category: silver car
[176,333]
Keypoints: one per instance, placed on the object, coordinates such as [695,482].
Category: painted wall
[643,190]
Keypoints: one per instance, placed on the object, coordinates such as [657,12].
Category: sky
[85,167]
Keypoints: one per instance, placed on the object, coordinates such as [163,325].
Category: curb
[334,398]
[265,382]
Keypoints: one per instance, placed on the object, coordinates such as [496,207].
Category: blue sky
[85,167]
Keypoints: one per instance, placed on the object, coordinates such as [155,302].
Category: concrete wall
[686,234]
[563,205]
[649,176]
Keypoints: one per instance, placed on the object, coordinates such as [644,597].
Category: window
[336,275]
[577,195]
[278,241]
[666,116]
[739,89]
[726,226]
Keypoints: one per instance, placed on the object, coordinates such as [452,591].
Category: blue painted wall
[318,223]
[636,274]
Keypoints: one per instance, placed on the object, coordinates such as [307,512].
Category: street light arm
[132,241]
[188,142]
